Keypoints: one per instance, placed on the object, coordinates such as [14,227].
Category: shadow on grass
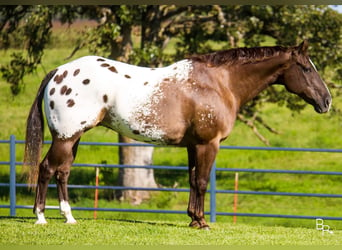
[25,219]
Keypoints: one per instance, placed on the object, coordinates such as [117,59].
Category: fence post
[12,176]
[213,193]
[236,189]
[96,196]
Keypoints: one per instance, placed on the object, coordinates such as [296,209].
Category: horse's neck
[248,80]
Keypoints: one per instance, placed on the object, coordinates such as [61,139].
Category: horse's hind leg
[57,162]
[62,175]
[45,174]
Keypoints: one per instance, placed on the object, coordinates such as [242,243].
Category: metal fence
[12,184]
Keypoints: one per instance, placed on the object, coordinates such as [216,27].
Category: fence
[12,163]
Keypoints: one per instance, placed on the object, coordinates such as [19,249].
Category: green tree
[33,36]
[29,27]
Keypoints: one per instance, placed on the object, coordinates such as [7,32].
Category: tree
[34,36]
[194,29]
[289,25]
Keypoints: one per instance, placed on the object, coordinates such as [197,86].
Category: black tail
[35,132]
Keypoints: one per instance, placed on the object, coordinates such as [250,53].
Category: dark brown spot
[58,79]
[175,68]
[76,72]
[52,104]
[64,89]
[127,76]
[83,122]
[166,79]
[65,73]
[113,69]
[86,81]
[100,60]
[105,65]
[105,98]
[190,80]
[145,83]
[52,91]
[70,103]
[68,91]
[136,132]
[153,69]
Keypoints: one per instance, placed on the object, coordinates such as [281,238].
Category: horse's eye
[306,70]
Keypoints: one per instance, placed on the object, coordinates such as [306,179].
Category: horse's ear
[303,47]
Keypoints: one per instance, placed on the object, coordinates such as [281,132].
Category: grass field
[305,129]
[22,231]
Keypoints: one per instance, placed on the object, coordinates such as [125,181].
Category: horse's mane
[238,55]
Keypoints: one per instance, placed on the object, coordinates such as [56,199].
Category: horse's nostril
[327,102]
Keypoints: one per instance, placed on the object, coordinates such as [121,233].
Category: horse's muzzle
[324,106]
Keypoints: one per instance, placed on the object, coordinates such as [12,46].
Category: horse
[192,103]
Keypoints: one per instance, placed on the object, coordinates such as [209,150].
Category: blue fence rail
[12,184]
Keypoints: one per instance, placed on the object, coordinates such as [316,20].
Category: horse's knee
[46,171]
[202,185]
[62,175]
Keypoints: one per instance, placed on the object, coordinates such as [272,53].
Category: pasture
[22,231]
[305,129]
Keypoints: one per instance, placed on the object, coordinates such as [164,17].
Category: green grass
[22,231]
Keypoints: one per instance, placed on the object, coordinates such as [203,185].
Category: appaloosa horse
[192,103]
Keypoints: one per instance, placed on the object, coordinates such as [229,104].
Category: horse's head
[302,78]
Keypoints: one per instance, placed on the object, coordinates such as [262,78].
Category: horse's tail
[35,133]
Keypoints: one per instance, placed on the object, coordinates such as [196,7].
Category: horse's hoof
[206,228]
[40,222]
[71,221]
[194,224]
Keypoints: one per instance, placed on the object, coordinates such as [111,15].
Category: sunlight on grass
[22,231]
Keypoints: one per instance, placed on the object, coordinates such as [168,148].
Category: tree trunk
[135,177]
[140,156]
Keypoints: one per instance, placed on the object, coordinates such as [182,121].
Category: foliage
[33,37]
[290,24]
[196,29]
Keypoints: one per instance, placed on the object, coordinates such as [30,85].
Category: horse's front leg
[204,159]
[193,189]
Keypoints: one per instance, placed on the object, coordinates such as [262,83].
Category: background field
[305,129]
[21,231]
